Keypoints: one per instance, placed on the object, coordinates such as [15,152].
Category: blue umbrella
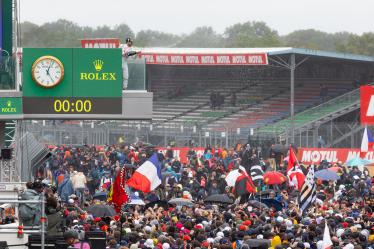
[357,162]
[272,203]
[327,175]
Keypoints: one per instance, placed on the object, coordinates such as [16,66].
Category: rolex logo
[9,103]
[98,65]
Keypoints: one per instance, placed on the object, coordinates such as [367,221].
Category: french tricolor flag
[148,176]
[367,142]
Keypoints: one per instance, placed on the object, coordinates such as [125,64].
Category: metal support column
[292,103]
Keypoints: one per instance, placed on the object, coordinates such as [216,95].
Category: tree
[251,34]
[202,37]
[151,38]
[309,38]
[122,32]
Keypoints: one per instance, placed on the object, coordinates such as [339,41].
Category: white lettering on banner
[100,45]
[207,60]
[149,58]
[223,59]
[239,59]
[369,156]
[353,154]
[318,156]
[162,59]
[255,59]
[177,59]
[370,111]
[192,59]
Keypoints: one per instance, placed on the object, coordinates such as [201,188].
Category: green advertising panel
[31,56]
[73,81]
[97,72]
[10,106]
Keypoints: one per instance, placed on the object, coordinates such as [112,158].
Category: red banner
[367,104]
[316,155]
[100,43]
[181,152]
[206,59]
[305,155]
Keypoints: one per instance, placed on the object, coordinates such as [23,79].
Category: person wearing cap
[127,51]
[71,238]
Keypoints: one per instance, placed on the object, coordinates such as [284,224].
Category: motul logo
[367,105]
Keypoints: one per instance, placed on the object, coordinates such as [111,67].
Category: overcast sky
[183,16]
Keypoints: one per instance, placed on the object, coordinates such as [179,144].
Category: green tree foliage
[202,37]
[151,38]
[64,33]
[251,34]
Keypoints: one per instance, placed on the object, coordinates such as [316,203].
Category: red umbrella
[274,178]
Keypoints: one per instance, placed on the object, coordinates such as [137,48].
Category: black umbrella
[278,148]
[219,198]
[160,203]
[257,204]
[102,196]
[260,243]
[101,210]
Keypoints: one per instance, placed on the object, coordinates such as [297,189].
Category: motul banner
[305,155]
[367,105]
[316,155]
[206,59]
[100,43]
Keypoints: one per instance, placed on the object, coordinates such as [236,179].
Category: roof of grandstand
[269,51]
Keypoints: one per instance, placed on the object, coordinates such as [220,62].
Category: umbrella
[258,243]
[274,178]
[272,203]
[219,198]
[278,148]
[101,210]
[159,203]
[102,196]
[257,204]
[135,200]
[357,162]
[180,202]
[335,169]
[231,178]
[327,175]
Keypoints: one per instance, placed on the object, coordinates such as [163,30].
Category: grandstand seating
[258,103]
[339,105]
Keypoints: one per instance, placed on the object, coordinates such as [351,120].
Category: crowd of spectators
[74,177]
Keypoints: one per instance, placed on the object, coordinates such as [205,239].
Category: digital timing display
[68,105]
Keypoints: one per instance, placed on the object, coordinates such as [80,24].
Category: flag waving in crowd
[118,195]
[294,171]
[148,176]
[257,173]
[308,191]
[326,242]
[367,142]
[243,184]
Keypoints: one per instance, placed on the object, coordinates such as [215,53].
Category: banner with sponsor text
[316,155]
[206,59]
[305,155]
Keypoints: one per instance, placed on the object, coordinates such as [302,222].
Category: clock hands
[50,64]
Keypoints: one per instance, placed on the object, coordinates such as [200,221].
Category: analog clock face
[47,71]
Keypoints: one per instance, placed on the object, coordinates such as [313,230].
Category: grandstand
[182,112]
[182,92]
